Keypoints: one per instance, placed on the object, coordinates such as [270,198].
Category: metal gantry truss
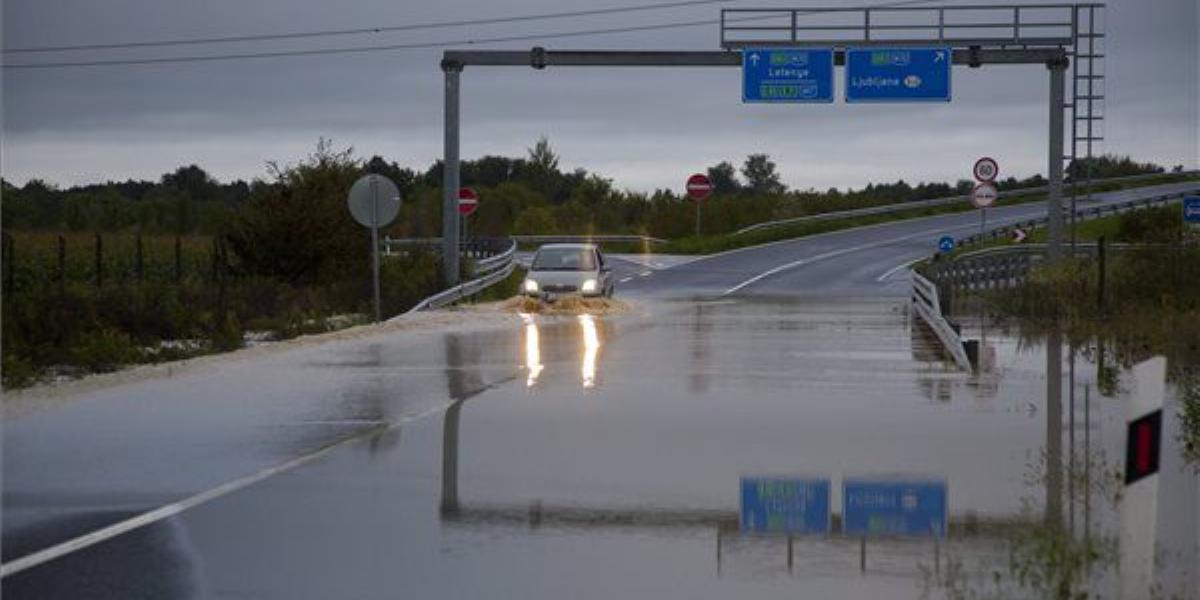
[1055,35]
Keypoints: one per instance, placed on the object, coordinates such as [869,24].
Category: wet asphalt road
[599,460]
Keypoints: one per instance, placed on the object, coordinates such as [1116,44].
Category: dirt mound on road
[568,305]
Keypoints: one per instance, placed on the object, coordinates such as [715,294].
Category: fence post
[99,261]
[140,260]
[62,265]
[178,262]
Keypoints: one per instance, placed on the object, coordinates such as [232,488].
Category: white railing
[928,305]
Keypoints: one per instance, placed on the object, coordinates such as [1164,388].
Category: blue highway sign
[785,505]
[898,74]
[787,75]
[946,243]
[894,506]
[1191,209]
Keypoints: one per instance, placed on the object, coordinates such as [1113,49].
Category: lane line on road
[840,252]
[1022,211]
[645,273]
[892,271]
[625,280]
[29,561]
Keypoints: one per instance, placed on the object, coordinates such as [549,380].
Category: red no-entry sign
[468,201]
[699,187]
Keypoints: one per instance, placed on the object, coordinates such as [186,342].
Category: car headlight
[589,286]
[531,286]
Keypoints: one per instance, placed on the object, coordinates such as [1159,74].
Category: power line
[407,46]
[364,30]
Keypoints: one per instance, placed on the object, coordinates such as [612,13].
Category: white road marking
[645,273]
[892,271]
[29,561]
[836,253]
[625,280]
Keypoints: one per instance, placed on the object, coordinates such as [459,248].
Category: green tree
[761,176]
[724,178]
[297,228]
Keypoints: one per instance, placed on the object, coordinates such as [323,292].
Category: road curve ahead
[865,261]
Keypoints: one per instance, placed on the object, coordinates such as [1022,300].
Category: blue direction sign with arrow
[787,75]
[1191,209]
[946,243]
[785,505]
[894,506]
[898,74]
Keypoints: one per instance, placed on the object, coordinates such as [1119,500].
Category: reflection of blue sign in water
[898,74]
[894,506]
[785,505]
[946,243]
[777,75]
[1191,209]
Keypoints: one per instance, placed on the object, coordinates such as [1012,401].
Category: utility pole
[1058,72]
[450,177]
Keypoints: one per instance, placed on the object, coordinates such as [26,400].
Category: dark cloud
[644,128]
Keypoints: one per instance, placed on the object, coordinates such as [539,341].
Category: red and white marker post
[699,188]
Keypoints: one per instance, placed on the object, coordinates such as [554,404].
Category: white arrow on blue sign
[787,75]
[898,74]
[1191,209]
[946,243]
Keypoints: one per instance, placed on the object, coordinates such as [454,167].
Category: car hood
[575,278]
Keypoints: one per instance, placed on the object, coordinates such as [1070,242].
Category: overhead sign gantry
[900,53]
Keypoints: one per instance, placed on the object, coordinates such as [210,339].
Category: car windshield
[564,259]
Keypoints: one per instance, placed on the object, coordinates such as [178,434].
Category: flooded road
[601,457]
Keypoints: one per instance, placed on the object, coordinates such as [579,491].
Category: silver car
[559,269]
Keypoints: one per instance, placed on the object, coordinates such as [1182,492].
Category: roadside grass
[707,244]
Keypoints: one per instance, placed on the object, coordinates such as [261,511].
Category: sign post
[468,202]
[893,506]
[787,505]
[374,202]
[985,194]
[699,188]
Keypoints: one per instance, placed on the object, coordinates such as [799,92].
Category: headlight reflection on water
[533,350]
[591,348]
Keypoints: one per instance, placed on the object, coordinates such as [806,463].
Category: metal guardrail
[928,305]
[1083,214]
[498,261]
[935,202]
[586,239]
[464,290]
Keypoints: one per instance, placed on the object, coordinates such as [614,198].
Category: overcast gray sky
[643,128]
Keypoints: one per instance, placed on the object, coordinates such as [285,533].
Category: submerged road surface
[544,456]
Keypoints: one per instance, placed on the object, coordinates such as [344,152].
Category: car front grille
[560,288]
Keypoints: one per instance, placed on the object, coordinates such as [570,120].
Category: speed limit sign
[986,169]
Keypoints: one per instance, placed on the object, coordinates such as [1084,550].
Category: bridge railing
[927,302]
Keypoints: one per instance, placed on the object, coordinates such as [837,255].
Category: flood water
[601,457]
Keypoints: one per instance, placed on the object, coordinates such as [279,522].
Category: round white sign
[374,201]
[984,195]
[986,169]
